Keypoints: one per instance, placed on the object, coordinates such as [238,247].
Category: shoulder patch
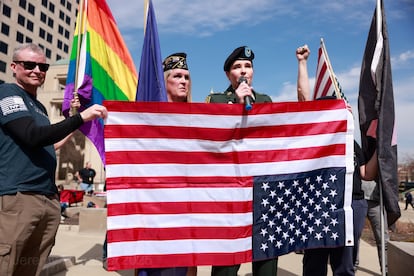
[208,99]
[12,104]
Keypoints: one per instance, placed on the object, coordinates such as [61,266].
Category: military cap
[240,53]
[175,61]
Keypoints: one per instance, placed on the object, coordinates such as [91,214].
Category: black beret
[241,53]
[175,61]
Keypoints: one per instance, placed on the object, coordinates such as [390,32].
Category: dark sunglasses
[30,65]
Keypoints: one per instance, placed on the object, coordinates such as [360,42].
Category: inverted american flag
[180,180]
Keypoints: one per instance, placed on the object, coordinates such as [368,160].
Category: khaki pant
[28,226]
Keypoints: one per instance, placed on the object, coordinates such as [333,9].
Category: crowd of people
[29,198]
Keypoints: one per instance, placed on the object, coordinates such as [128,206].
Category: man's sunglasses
[30,65]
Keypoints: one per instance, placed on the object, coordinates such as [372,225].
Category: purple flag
[151,86]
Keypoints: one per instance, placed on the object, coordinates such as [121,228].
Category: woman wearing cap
[177,78]
[239,70]
[178,86]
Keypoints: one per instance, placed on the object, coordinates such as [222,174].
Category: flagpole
[146,6]
[382,220]
[337,93]
[80,30]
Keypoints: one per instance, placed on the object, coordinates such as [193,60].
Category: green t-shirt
[23,168]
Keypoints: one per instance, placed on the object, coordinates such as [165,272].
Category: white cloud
[285,94]
[402,60]
[195,16]
[199,17]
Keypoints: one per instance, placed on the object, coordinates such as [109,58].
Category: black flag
[376,101]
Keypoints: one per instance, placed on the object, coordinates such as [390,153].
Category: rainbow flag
[101,67]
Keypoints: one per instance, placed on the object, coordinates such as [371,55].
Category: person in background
[178,85]
[372,195]
[408,200]
[63,205]
[342,259]
[238,68]
[29,200]
[87,175]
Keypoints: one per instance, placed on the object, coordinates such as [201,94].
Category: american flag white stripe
[223,170]
[178,145]
[179,176]
[178,220]
[181,247]
[177,195]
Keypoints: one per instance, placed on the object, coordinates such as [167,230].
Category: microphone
[247,99]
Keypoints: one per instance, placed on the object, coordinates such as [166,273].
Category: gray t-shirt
[371,191]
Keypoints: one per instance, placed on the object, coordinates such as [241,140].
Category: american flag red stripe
[144,157]
[180,175]
[177,208]
[323,83]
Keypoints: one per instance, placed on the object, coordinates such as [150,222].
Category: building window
[43,17]
[60,44]
[67,34]
[52,7]
[20,20]
[60,30]
[67,20]
[44,3]
[2,66]
[31,9]
[69,6]
[62,2]
[65,48]
[28,39]
[42,33]
[6,10]
[49,38]
[22,4]
[41,46]
[5,29]
[3,47]
[19,37]
[62,15]
[29,25]
[58,57]
[48,53]
[50,22]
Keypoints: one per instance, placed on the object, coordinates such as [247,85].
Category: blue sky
[208,31]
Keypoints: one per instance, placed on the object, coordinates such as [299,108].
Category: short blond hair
[31,46]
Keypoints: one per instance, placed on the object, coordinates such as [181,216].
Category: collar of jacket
[231,94]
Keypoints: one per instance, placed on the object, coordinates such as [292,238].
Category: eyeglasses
[30,65]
